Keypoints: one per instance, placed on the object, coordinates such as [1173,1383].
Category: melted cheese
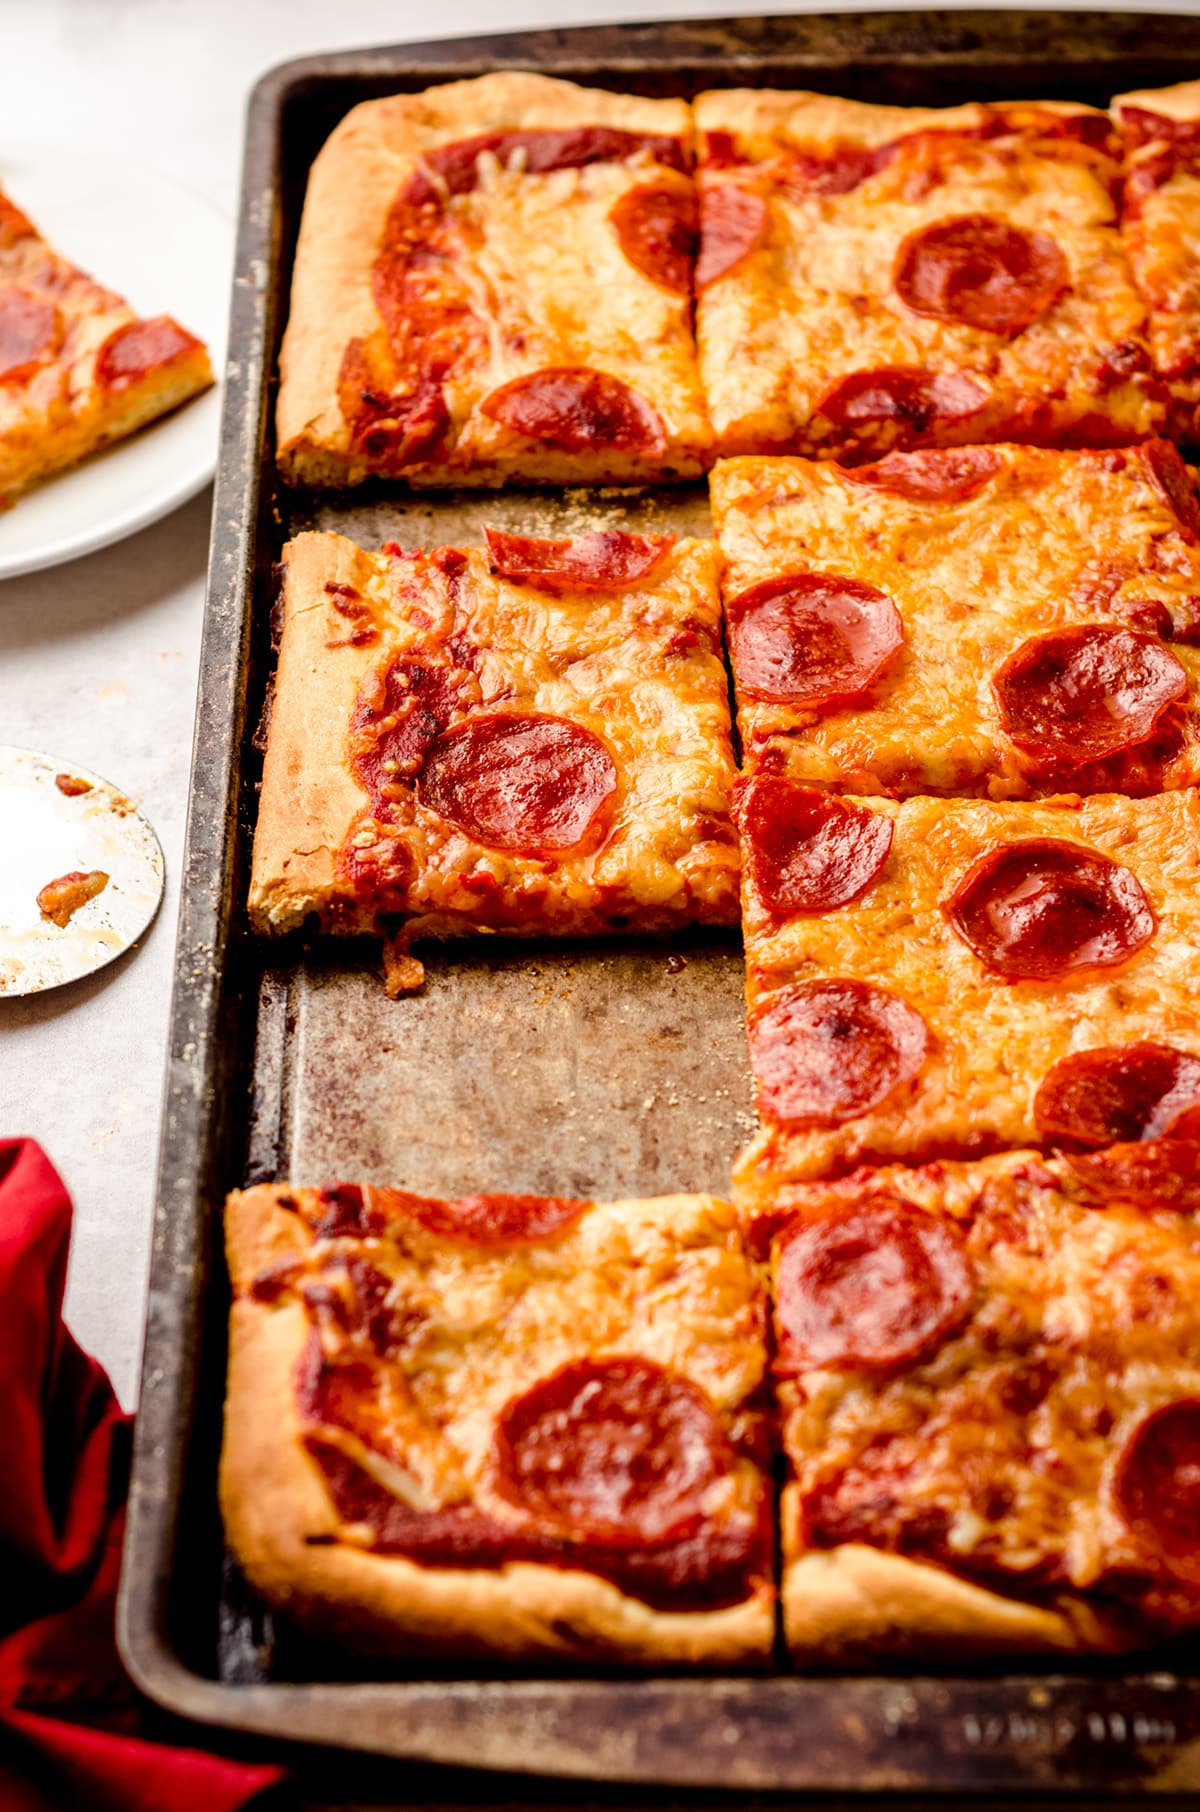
[1052,540]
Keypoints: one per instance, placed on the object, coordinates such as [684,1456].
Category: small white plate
[167,253]
[62,823]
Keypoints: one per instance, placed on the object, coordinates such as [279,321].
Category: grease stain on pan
[72,838]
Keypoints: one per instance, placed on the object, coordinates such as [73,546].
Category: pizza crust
[595,659]
[353,183]
[856,1603]
[281,1525]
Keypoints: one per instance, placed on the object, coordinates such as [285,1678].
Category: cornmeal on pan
[505,1423]
[532,737]
[953,977]
[873,278]
[492,282]
[989,1377]
[993,620]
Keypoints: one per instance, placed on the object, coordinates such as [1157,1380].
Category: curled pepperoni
[1116,1094]
[618,1451]
[608,560]
[1174,481]
[1042,908]
[522,782]
[455,166]
[133,352]
[825,1052]
[914,399]
[944,475]
[1160,1174]
[577,410]
[980,271]
[1157,1483]
[811,639]
[806,851]
[732,223]
[30,328]
[496,1220]
[656,227]
[877,1283]
[1086,693]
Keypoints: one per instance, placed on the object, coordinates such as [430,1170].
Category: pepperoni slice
[133,352]
[1157,1483]
[1173,479]
[811,639]
[456,165]
[608,560]
[616,1451]
[29,329]
[947,475]
[657,228]
[825,1052]
[522,782]
[1116,1094]
[835,172]
[916,400]
[877,1283]
[1161,1174]
[392,736]
[732,223]
[807,851]
[1042,909]
[980,271]
[1086,693]
[577,410]
[496,1220]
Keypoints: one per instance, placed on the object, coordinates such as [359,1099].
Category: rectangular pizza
[493,282]
[531,737]
[1004,621]
[1161,224]
[878,278]
[953,977]
[507,1424]
[989,1377]
[78,367]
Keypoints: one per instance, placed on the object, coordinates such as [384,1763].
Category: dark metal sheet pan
[572,1069]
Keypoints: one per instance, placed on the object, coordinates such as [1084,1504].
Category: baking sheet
[589,1069]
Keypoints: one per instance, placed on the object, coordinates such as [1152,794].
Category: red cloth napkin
[69,1718]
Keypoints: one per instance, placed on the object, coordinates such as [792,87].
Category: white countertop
[98,659]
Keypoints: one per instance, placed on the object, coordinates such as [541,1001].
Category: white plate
[167,253]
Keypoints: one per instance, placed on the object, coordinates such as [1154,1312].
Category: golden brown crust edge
[277,1511]
[309,799]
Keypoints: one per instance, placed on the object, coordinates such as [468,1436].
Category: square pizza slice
[954,977]
[501,1423]
[873,278]
[1161,226]
[989,1375]
[1005,621]
[531,738]
[78,368]
[492,282]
